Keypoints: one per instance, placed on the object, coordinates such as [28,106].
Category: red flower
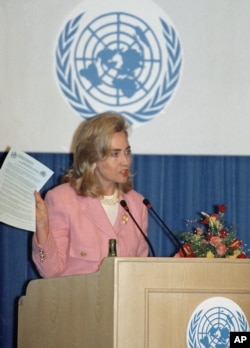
[235,244]
[221,208]
[223,233]
[242,256]
[188,251]
[205,221]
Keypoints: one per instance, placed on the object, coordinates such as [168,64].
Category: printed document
[20,176]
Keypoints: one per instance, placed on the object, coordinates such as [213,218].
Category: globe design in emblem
[117,59]
[214,327]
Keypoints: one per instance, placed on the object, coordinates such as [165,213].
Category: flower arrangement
[211,238]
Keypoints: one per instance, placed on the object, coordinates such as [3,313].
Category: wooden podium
[128,303]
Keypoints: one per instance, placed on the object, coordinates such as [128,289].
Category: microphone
[166,228]
[125,206]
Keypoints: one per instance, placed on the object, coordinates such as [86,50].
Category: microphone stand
[170,233]
[124,205]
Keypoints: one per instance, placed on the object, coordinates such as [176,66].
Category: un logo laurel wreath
[243,322]
[82,106]
[192,330]
[192,334]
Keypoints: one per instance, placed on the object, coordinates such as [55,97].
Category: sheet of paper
[20,176]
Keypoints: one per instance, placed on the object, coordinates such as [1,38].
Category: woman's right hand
[42,219]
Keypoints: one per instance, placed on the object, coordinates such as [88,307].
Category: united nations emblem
[118,60]
[212,322]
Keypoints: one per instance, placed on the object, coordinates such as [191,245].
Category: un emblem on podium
[118,61]
[212,322]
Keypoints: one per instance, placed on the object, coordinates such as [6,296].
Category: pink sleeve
[50,258]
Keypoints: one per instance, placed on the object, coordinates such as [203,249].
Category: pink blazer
[80,230]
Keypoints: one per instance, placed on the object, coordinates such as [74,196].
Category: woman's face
[114,168]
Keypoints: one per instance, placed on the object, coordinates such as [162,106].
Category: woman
[77,218]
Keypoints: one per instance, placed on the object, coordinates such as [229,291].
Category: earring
[94,166]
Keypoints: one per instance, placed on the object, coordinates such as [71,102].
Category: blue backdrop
[179,187]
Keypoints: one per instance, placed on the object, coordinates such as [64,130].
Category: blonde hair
[91,143]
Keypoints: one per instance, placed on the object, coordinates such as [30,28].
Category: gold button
[42,255]
[83,253]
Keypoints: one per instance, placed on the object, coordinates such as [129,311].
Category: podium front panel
[129,302]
